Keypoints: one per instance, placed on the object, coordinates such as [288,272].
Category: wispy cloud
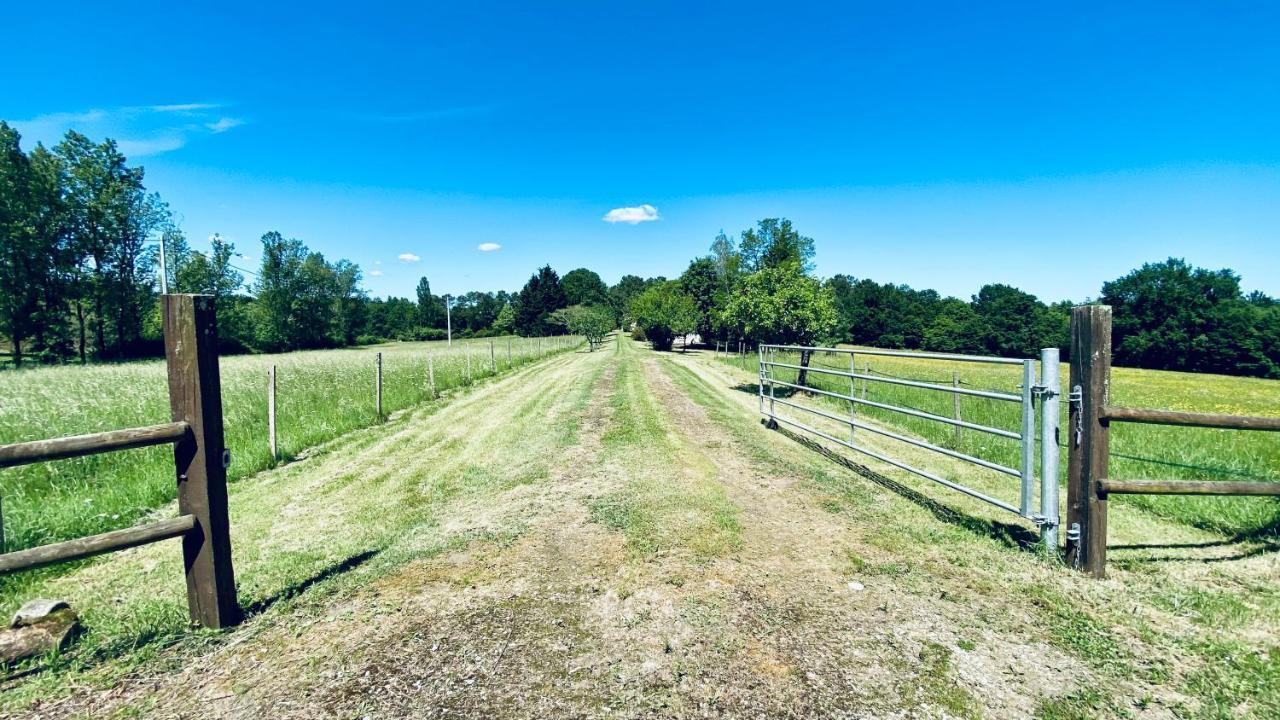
[488,247]
[632,215]
[375,273]
[139,130]
[223,125]
[408,258]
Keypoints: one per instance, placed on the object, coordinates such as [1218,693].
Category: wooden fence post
[431,376]
[1089,438]
[201,458]
[509,363]
[377,384]
[493,359]
[271,413]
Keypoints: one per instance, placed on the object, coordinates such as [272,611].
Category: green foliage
[540,297]
[782,305]
[1173,316]
[505,323]
[662,311]
[584,287]
[774,243]
[701,282]
[594,323]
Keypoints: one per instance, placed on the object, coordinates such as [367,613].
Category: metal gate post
[1050,389]
[1028,437]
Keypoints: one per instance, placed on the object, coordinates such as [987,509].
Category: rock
[856,586]
[40,626]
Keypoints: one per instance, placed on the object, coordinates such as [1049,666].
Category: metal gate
[1030,392]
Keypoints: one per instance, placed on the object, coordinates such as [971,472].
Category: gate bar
[910,383]
[906,354]
[84,547]
[25,453]
[899,464]
[910,441]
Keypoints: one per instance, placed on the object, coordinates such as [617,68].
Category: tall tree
[772,243]
[584,287]
[540,297]
[701,282]
[430,307]
[783,305]
[278,287]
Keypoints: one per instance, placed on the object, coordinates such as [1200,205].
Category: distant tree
[278,287]
[785,306]
[774,243]
[662,311]
[211,274]
[505,323]
[1015,322]
[593,322]
[430,307]
[349,301]
[621,295]
[701,282]
[1174,316]
[584,287]
[540,297]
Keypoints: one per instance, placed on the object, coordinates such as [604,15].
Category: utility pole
[448,321]
[164,271]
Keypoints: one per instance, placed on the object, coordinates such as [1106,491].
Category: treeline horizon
[79,281]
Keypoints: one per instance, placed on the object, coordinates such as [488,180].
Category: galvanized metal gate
[1043,389]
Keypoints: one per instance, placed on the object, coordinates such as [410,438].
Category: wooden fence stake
[1089,438]
[493,359]
[195,397]
[431,376]
[377,385]
[271,413]
[509,364]
[468,351]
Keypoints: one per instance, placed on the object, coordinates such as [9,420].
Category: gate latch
[1076,403]
[1043,391]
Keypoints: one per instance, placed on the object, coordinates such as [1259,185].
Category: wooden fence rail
[200,465]
[1089,433]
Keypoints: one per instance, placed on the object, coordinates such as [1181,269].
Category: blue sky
[945,145]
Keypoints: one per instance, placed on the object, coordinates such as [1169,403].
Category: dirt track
[736,584]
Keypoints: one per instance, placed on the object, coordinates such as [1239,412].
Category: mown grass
[672,499]
[320,395]
[360,508]
[1137,451]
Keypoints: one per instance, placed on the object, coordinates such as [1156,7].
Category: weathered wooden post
[200,457]
[271,413]
[1089,438]
[509,363]
[377,384]
[493,359]
[431,377]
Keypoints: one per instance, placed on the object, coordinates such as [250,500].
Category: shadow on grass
[1009,534]
[257,607]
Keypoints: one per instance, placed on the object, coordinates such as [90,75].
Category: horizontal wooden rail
[1186,487]
[77,445]
[96,544]
[1172,417]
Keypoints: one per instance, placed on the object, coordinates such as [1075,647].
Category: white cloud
[408,258]
[632,215]
[488,247]
[375,273]
[223,125]
[139,130]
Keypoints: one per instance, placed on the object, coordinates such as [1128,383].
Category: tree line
[79,280]
[760,288]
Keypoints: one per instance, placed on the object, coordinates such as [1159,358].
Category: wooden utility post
[271,413]
[1088,432]
[377,385]
[200,457]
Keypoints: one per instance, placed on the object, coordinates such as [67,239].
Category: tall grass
[320,395]
[1137,451]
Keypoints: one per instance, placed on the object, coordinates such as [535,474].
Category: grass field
[1137,451]
[320,395]
[614,534]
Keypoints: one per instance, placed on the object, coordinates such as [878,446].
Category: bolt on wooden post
[200,457]
[1089,440]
